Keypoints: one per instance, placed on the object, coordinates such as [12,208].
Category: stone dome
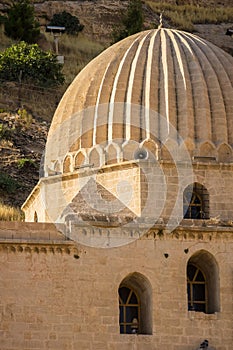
[123,93]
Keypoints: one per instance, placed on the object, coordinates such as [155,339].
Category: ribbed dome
[178,75]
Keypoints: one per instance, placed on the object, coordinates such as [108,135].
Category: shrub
[24,162]
[65,19]
[5,132]
[25,117]
[7,183]
[20,23]
[132,21]
[25,62]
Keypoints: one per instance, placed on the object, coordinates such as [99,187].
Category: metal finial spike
[160,20]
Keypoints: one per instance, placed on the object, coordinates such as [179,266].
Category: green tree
[131,22]
[27,62]
[7,183]
[20,23]
[65,19]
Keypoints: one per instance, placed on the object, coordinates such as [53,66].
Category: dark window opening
[129,311]
[135,305]
[196,202]
[196,289]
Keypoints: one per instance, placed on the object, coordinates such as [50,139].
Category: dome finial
[160,20]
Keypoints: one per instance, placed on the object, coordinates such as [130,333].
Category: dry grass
[8,213]
[185,16]
[78,51]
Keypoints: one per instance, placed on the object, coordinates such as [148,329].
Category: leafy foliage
[25,118]
[132,21]
[25,62]
[7,183]
[20,23]
[5,132]
[65,19]
[25,162]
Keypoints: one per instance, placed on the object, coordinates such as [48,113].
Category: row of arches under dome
[136,297]
[110,154]
[116,153]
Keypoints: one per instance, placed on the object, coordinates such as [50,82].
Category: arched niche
[189,145]
[169,150]
[129,148]
[207,149]
[67,164]
[152,147]
[79,160]
[112,153]
[96,156]
[224,153]
[57,166]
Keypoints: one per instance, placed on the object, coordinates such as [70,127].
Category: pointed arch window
[203,290]
[135,305]
[196,202]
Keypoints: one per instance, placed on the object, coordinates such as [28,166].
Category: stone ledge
[193,315]
[50,234]
[31,231]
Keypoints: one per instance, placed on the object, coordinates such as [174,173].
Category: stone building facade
[57,294]
[128,241]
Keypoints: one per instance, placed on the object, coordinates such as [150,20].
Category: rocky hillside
[22,140]
[99,16]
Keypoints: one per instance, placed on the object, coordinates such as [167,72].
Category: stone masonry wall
[58,294]
[157,190]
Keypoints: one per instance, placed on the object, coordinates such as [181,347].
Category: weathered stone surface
[64,295]
[98,17]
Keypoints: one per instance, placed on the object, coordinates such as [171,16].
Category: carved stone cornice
[45,247]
